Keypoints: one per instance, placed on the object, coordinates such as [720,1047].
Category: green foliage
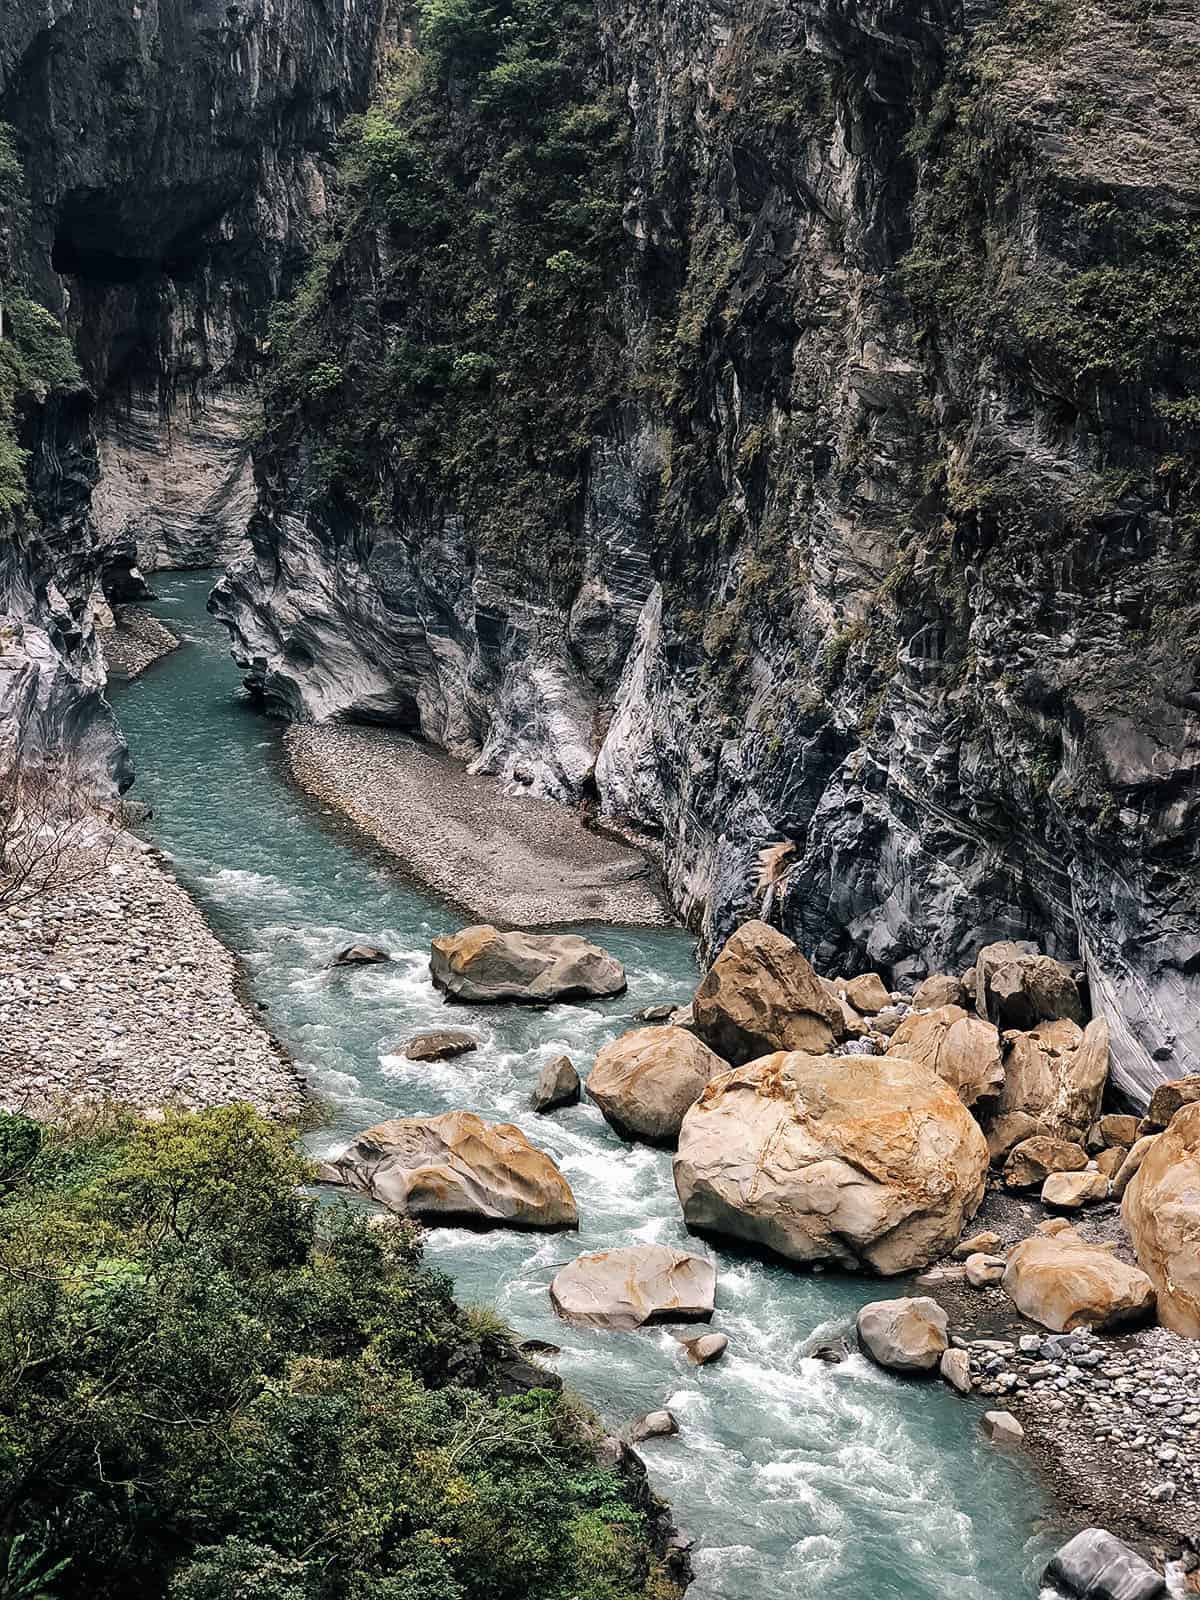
[213,1388]
[480,199]
[35,354]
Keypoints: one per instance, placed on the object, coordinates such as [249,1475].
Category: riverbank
[115,990]
[1111,1420]
[509,859]
[134,642]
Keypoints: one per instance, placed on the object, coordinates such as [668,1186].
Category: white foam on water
[238,883]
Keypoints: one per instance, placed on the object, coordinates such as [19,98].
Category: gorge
[766,431]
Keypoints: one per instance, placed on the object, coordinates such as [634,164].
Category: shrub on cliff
[213,1387]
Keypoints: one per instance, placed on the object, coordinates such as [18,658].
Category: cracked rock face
[874,574]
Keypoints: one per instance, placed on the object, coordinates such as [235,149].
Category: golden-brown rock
[940,989]
[867,993]
[761,995]
[1161,1209]
[964,1051]
[645,1080]
[1168,1098]
[862,1160]
[482,966]
[634,1285]
[1055,1073]
[1032,1161]
[1062,1282]
[457,1168]
[1017,987]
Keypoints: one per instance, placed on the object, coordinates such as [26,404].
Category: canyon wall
[845,499]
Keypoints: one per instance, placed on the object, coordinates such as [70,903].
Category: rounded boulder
[645,1081]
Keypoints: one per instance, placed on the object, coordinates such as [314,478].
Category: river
[797,1478]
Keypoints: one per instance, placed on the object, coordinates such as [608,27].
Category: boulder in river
[441,1044]
[455,1169]
[636,1284]
[1002,1427]
[1095,1565]
[761,995]
[1161,1210]
[645,1081]
[654,1425]
[963,1050]
[558,1085]
[360,954]
[904,1335]
[866,1161]
[483,966]
[1018,987]
[1062,1282]
[707,1347]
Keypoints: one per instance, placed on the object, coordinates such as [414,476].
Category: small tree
[52,833]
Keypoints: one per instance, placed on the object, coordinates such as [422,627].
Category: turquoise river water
[797,1479]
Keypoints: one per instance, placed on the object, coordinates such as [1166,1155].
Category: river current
[797,1478]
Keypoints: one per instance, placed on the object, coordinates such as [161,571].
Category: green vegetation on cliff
[479,210]
[35,355]
[213,1388]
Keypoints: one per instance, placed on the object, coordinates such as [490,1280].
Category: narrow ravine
[795,1477]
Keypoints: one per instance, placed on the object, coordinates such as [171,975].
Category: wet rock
[456,1168]
[656,1013]
[964,1051]
[634,1285]
[1031,1162]
[1161,1210]
[1062,1282]
[955,1368]
[359,955]
[1017,987]
[1002,1427]
[761,995]
[1071,1191]
[654,1425]
[539,1347]
[513,1375]
[832,1353]
[483,966]
[864,1161]
[645,1081]
[904,1335]
[1095,1565]
[708,1347]
[441,1044]
[558,1085]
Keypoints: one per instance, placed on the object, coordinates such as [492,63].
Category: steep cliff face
[174,160]
[846,498]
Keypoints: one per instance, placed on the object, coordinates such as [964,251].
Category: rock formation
[482,966]
[862,1161]
[456,1168]
[637,1284]
[644,1081]
[761,995]
[1161,1210]
[1063,1282]
[964,1051]
[904,1335]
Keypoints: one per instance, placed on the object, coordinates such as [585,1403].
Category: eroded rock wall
[885,546]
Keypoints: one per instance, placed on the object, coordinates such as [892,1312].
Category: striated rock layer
[876,543]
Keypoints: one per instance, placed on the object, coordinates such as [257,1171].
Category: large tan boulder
[963,1050]
[482,966]
[1062,1282]
[457,1168]
[645,1081]
[1168,1098]
[1056,1073]
[1018,988]
[867,1161]
[1161,1209]
[1071,1191]
[1005,1133]
[761,995]
[1032,1161]
[909,1335]
[940,989]
[867,993]
[634,1285]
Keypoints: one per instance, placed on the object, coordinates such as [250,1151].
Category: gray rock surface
[558,1085]
[1096,1566]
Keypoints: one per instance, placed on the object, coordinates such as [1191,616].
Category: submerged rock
[634,1285]
[1161,1209]
[457,1168]
[864,1161]
[761,995]
[441,1044]
[483,966]
[645,1081]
